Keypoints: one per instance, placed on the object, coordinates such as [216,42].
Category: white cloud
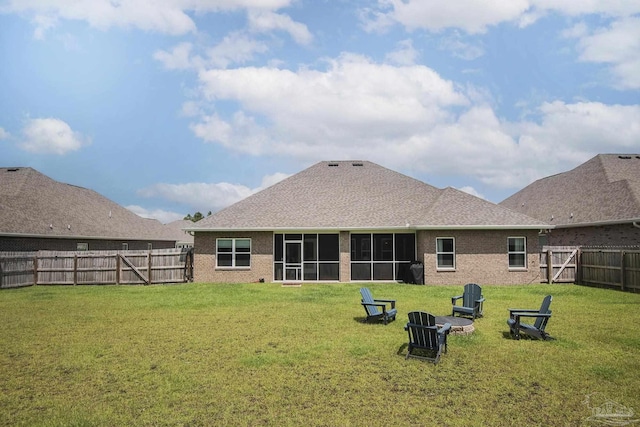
[206,197]
[356,108]
[475,16]
[161,215]
[266,21]
[618,45]
[460,48]
[51,136]
[235,48]
[179,58]
[405,53]
[472,191]
[165,16]
[472,16]
[4,134]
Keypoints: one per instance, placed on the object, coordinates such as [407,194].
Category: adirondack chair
[377,308]
[542,316]
[426,340]
[472,301]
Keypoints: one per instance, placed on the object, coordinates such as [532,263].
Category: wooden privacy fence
[95,267]
[559,264]
[615,268]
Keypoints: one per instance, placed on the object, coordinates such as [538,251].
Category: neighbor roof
[348,195]
[32,204]
[605,189]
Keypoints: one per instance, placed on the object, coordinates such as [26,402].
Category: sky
[169,107]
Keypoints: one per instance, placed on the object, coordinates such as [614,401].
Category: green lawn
[262,354]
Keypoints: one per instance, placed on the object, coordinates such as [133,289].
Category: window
[446,253]
[150,246]
[517,252]
[233,253]
[125,246]
[82,246]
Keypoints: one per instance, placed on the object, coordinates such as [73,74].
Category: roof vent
[333,164]
[13,170]
[357,164]
[624,157]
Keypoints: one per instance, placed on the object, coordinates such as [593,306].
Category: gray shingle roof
[603,189]
[351,195]
[33,204]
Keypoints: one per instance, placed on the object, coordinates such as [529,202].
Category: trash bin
[417,272]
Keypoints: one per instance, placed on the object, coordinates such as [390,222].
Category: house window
[125,246]
[382,256]
[446,253]
[149,246]
[82,246]
[233,253]
[517,249]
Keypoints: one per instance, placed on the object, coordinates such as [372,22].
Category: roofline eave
[375,228]
[599,223]
[53,236]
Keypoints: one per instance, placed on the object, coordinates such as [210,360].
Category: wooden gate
[558,264]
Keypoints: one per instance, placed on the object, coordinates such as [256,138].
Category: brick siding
[606,235]
[26,244]
[481,257]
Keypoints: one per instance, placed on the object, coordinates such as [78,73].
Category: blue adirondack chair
[426,340]
[472,301]
[542,316]
[377,308]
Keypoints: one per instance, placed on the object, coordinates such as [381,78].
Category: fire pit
[459,325]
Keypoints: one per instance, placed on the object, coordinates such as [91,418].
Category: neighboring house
[358,221]
[183,238]
[39,213]
[595,204]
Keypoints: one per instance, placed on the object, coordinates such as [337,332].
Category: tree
[196,216]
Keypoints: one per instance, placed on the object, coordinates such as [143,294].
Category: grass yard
[262,354]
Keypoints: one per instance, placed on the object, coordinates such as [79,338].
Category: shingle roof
[35,205]
[604,189]
[359,195]
[176,229]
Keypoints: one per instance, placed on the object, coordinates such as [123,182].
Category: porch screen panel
[320,255]
[382,256]
[278,257]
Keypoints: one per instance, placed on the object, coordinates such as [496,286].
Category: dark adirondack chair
[377,308]
[426,340]
[472,301]
[536,330]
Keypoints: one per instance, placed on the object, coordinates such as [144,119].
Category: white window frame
[234,253]
[81,246]
[523,252]
[446,268]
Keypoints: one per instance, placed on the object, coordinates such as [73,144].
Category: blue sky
[169,107]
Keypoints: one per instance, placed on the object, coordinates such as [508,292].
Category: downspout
[636,224]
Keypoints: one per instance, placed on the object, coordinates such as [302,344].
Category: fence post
[35,268]
[622,269]
[118,268]
[149,270]
[579,266]
[549,266]
[75,269]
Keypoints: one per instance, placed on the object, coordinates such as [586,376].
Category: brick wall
[481,257]
[261,258]
[21,244]
[609,235]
